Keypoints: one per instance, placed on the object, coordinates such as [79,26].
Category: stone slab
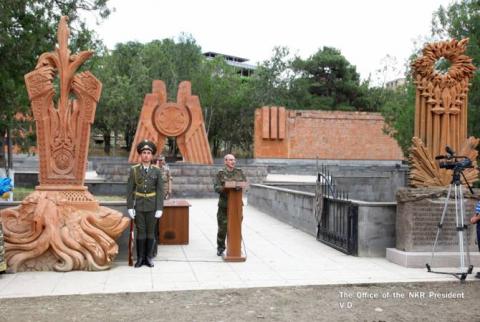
[419,259]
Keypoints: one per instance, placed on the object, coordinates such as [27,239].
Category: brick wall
[334,135]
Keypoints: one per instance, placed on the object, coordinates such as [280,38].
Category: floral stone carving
[441,111]
[61,226]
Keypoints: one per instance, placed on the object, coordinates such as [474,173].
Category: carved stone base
[3,263]
[419,211]
[61,230]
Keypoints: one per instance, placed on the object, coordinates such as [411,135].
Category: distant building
[394,84]
[238,63]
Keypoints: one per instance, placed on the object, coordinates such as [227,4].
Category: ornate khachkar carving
[61,226]
[441,112]
[184,120]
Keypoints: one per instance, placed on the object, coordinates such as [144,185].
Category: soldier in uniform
[229,173]
[145,201]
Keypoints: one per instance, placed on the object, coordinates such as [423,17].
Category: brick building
[329,135]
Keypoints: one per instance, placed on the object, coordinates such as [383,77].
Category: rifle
[130,245]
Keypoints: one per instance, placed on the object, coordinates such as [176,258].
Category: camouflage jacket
[226,175]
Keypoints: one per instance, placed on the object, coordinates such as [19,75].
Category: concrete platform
[419,259]
[277,255]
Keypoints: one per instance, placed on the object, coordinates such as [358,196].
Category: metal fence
[336,215]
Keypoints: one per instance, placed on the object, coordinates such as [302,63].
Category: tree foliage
[27,29]
[462,20]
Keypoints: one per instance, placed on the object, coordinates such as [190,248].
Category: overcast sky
[364,30]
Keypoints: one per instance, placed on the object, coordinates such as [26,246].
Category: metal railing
[336,215]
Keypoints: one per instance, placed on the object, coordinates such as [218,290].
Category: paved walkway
[277,255]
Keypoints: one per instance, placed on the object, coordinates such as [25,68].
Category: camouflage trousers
[222,227]
[3,264]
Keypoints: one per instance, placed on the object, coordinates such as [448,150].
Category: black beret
[146,145]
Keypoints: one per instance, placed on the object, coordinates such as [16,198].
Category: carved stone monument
[441,111]
[61,226]
[440,120]
[183,120]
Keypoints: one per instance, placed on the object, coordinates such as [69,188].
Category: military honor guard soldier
[229,173]
[145,201]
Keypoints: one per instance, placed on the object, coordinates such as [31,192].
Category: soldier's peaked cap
[146,145]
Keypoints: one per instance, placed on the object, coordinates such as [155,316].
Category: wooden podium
[173,226]
[234,222]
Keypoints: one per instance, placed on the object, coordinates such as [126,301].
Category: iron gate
[336,215]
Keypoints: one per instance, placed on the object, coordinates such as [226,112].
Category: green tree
[399,113]
[27,29]
[331,77]
[462,20]
[125,82]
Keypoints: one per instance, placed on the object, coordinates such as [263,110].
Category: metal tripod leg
[464,247]
[440,225]
[460,226]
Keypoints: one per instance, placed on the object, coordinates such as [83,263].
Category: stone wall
[301,134]
[362,180]
[419,213]
[295,208]
[189,180]
[376,220]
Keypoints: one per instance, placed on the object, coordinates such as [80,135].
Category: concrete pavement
[277,255]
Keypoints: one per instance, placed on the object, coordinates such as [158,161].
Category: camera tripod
[460,227]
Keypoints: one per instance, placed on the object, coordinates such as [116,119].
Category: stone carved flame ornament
[61,226]
[441,113]
[182,119]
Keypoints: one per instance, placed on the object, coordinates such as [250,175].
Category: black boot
[140,252]
[149,253]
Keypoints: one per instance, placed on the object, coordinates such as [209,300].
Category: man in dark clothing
[145,201]
[476,220]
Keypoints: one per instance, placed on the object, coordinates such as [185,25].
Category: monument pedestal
[61,230]
[419,211]
[234,223]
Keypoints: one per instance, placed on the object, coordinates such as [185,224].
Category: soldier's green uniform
[3,264]
[145,195]
[222,176]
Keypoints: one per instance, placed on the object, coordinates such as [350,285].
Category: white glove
[158,214]
[131,213]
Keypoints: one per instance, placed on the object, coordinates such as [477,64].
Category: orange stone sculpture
[61,226]
[183,120]
[441,111]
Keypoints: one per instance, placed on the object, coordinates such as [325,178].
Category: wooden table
[173,226]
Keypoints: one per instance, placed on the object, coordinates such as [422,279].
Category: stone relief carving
[61,226]
[183,120]
[441,111]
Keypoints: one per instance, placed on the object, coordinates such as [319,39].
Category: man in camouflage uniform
[167,192]
[145,201]
[3,264]
[166,176]
[229,173]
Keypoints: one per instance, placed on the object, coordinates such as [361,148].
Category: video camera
[454,162]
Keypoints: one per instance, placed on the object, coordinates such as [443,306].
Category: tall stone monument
[440,120]
[61,226]
[182,120]
[441,111]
